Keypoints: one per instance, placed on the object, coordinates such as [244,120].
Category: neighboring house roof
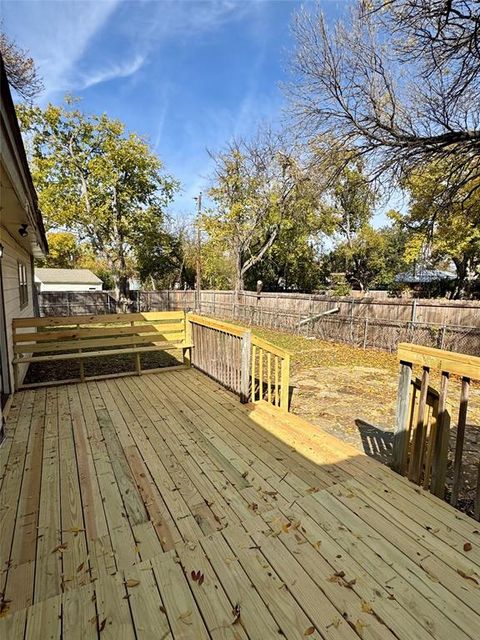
[66,276]
[14,138]
[424,276]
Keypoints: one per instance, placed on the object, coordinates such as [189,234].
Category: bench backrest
[83,336]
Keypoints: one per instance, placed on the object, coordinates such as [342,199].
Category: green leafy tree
[259,189]
[375,257]
[447,224]
[99,182]
[294,261]
[64,251]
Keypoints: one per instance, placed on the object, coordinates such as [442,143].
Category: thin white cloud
[57,35]
[112,72]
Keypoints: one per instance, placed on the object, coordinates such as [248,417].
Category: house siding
[13,253]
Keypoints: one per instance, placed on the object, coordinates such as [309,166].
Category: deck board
[115,495]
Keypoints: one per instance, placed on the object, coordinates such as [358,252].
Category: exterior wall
[68,287]
[13,252]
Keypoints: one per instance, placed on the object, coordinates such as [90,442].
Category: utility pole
[198,283]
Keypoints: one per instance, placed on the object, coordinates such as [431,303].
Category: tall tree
[373,258]
[351,200]
[259,187]
[98,181]
[449,224]
[397,82]
[20,67]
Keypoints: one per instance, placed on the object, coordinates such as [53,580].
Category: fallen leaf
[132,583]
[80,567]
[309,631]
[183,617]
[467,546]
[60,547]
[201,579]
[236,614]
[467,577]
[366,607]
[102,624]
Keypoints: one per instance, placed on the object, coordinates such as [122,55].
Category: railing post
[399,457]
[285,382]
[187,351]
[245,367]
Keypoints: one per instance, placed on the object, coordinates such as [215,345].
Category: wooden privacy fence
[423,436]
[364,322]
[249,366]
[84,337]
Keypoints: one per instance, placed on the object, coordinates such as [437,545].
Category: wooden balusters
[422,437]
[277,385]
[440,447]
[246,364]
[462,421]
[253,383]
[419,434]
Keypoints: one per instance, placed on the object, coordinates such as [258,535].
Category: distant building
[66,280]
[426,281]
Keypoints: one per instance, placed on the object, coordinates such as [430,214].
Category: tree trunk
[239,279]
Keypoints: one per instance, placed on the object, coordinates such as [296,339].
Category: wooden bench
[81,337]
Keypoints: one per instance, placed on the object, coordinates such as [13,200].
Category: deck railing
[422,439]
[247,365]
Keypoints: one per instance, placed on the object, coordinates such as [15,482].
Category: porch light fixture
[1,250]
[23,230]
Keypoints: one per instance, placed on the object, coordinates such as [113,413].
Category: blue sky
[187,75]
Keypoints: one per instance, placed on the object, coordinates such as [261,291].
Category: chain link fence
[343,326]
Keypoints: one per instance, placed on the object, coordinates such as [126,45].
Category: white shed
[66,280]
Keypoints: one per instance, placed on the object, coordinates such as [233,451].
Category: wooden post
[365,334]
[401,427]
[138,364]
[442,337]
[245,367]
[187,351]
[82,367]
[15,376]
[285,382]
[440,446]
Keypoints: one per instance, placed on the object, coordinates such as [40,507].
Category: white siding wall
[70,287]
[13,252]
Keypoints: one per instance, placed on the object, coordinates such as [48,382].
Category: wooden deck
[159,507]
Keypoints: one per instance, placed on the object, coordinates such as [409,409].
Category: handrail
[220,325]
[422,429]
[258,370]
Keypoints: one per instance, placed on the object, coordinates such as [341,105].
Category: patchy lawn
[349,392]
